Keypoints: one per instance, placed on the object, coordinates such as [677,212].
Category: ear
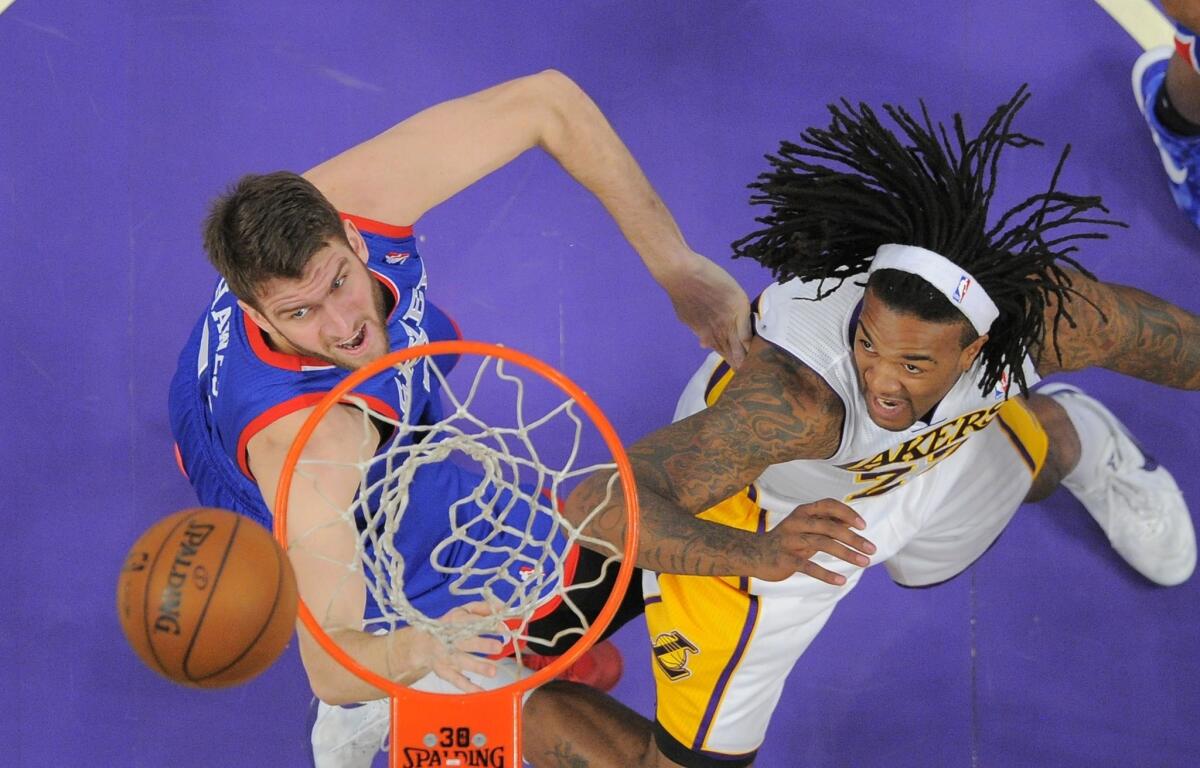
[357,244]
[970,352]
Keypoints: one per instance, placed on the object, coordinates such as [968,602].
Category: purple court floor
[120,120]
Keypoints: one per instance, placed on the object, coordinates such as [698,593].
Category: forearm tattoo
[775,409]
[1142,336]
[1160,342]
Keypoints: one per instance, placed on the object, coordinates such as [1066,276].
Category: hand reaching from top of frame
[712,304]
[820,526]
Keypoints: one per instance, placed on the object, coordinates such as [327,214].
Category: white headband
[951,280]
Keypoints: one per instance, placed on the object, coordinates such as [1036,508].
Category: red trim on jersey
[258,342]
[279,410]
[391,286]
[179,461]
[548,607]
[1183,48]
[568,578]
[378,227]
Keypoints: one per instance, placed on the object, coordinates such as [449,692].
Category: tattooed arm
[1143,336]
[775,409]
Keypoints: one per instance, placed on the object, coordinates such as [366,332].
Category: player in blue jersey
[1166,85]
[320,274]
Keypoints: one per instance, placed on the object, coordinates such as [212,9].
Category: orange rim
[611,440]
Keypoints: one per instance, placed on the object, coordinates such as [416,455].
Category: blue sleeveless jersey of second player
[247,385]
[236,385]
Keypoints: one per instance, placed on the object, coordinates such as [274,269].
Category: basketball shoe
[600,667]
[1135,501]
[348,736]
[1180,154]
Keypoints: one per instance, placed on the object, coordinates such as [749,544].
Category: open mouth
[887,406]
[355,342]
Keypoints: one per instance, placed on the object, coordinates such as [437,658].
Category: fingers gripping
[467,654]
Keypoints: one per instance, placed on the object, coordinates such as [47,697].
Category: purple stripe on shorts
[752,494]
[1022,451]
[743,640]
[719,690]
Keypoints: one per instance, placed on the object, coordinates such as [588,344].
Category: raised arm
[1140,335]
[321,546]
[775,409]
[399,175]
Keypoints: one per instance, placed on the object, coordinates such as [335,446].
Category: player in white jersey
[884,414]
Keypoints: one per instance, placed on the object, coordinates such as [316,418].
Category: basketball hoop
[519,546]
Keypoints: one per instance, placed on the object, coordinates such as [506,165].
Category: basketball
[207,598]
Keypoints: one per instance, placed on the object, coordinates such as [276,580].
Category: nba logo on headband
[946,277]
[960,292]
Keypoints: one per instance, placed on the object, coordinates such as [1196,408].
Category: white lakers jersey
[870,460]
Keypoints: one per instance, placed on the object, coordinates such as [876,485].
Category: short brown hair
[268,226]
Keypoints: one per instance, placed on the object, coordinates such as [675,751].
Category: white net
[464,507]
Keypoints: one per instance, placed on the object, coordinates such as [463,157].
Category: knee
[568,721]
[1062,446]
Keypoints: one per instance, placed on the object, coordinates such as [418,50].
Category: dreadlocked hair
[845,190]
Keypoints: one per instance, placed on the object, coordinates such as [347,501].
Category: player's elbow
[331,682]
[336,687]
[327,683]
[327,693]
[563,106]
[556,84]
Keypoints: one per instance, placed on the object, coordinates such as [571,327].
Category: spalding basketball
[207,598]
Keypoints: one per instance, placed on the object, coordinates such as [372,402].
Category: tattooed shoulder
[786,403]
[774,409]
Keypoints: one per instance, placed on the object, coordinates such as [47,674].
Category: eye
[911,368]
[339,282]
[300,314]
[866,344]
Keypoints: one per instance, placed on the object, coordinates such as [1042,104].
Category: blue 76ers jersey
[230,384]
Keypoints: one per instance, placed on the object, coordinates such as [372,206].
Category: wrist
[669,264]
[406,663]
[761,550]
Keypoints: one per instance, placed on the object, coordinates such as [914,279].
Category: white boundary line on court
[1141,19]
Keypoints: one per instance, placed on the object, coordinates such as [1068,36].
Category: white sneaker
[349,737]
[1135,501]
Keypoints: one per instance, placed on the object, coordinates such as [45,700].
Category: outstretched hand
[820,526]
[452,662]
[710,302]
